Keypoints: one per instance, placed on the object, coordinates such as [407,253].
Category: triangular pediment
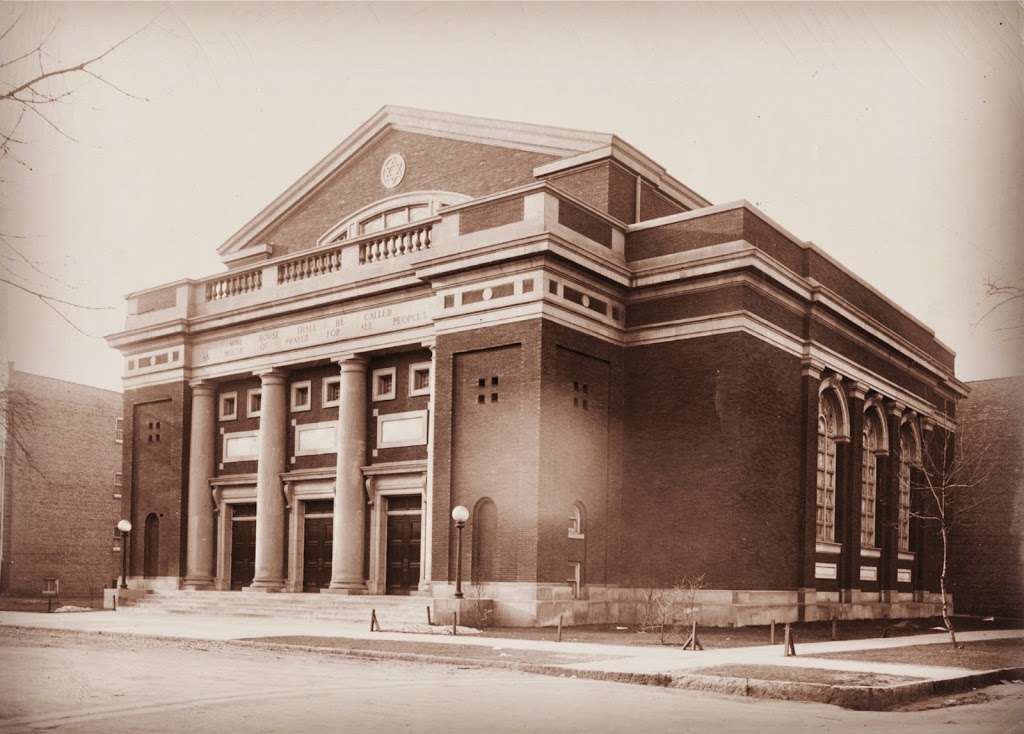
[401,150]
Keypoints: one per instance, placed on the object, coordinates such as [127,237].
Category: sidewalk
[662,665]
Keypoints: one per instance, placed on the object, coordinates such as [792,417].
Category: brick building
[624,383]
[987,551]
[60,484]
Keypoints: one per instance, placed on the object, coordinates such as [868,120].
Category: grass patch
[464,652]
[979,655]
[792,674]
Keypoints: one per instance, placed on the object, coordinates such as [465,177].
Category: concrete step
[324,607]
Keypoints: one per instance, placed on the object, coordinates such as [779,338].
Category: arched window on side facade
[577,521]
[910,456]
[874,444]
[829,417]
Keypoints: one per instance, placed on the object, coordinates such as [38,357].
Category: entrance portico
[314,486]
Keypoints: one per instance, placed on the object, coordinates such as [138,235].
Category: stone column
[426,544]
[349,495]
[849,571]
[199,554]
[269,497]
[889,506]
[296,538]
[810,382]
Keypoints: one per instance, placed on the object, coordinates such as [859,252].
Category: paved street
[84,683]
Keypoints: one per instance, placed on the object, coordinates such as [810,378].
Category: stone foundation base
[540,605]
[154,583]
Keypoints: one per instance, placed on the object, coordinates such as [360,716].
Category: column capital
[271,375]
[857,390]
[430,344]
[202,387]
[351,362]
[927,423]
[894,408]
[810,367]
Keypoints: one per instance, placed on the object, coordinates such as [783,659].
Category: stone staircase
[391,610]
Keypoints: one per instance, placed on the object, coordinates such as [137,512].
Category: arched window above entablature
[391,213]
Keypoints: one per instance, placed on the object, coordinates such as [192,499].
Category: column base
[346,588]
[201,583]
[266,586]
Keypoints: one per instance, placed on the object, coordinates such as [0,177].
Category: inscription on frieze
[320,331]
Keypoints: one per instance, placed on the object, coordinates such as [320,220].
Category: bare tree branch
[67,70]
[54,299]
[1004,293]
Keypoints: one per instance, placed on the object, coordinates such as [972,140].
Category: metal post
[458,563]
[124,560]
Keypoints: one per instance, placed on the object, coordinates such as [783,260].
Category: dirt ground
[979,655]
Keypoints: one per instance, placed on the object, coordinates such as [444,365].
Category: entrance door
[243,552]
[316,553]
[403,552]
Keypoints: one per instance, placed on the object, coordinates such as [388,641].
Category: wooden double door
[317,547]
[403,556]
[243,551]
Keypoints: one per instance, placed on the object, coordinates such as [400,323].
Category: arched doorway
[151,554]
[485,532]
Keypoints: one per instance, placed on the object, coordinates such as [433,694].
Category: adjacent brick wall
[61,461]
[987,564]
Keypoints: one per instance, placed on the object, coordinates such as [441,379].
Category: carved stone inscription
[320,331]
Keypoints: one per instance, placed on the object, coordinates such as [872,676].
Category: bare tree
[30,88]
[1004,295]
[948,489]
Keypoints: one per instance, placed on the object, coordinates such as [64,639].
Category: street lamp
[460,514]
[125,527]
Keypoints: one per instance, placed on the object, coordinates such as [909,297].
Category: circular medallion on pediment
[392,170]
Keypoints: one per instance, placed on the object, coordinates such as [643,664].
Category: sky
[891,135]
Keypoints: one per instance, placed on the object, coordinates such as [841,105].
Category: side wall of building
[712,447]
[62,457]
[987,569]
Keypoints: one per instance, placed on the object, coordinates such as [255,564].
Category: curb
[860,698]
